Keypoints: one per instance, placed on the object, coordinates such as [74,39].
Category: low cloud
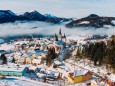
[41,28]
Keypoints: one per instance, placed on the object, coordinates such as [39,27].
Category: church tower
[60,34]
[64,38]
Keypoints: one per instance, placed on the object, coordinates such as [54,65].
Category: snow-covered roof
[36,61]
[57,62]
[79,72]
[38,53]
[29,53]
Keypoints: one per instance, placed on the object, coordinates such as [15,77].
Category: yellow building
[74,79]
[79,76]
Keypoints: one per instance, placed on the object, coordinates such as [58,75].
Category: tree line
[100,53]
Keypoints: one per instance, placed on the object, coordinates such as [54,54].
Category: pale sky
[62,8]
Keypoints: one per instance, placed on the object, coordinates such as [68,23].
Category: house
[12,70]
[40,54]
[43,46]
[19,58]
[29,60]
[79,76]
[36,61]
[87,76]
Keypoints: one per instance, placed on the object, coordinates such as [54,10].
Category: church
[60,36]
[61,39]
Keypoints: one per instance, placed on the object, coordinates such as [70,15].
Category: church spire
[64,35]
[60,32]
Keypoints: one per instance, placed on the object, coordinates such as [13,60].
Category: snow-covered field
[21,81]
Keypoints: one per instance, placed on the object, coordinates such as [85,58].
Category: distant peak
[8,11]
[49,15]
[93,15]
[34,11]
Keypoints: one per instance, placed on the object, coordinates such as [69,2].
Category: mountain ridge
[92,20]
[8,16]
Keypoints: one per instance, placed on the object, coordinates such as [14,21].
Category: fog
[41,28]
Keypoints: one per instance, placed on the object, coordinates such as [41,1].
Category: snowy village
[52,61]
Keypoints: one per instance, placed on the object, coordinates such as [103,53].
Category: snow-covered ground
[77,37]
[6,47]
[21,81]
[8,83]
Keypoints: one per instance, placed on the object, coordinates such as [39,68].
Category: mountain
[9,16]
[92,20]
[34,15]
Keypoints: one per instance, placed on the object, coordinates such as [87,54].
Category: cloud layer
[41,28]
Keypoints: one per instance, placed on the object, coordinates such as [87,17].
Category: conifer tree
[4,58]
[13,60]
[56,37]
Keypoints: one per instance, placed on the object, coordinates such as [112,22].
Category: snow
[78,73]
[21,81]
[49,15]
[12,67]
[6,47]
[107,26]
[77,37]
[21,42]
[112,77]
[113,22]
[7,83]
[84,22]
[36,61]
[102,71]
[67,67]
[57,62]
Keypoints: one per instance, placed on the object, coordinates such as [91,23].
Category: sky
[62,8]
